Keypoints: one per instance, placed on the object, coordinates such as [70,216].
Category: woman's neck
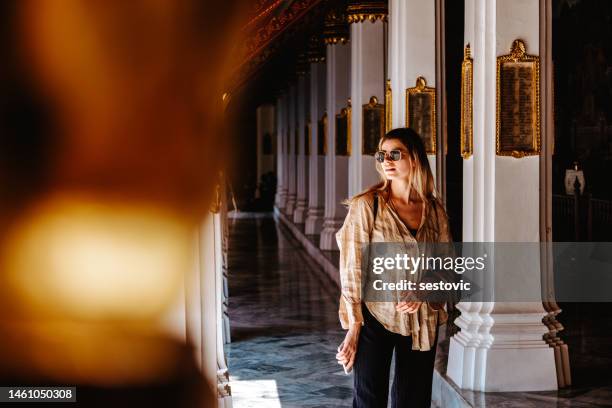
[401,191]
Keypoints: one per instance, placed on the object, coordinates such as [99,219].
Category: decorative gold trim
[360,18]
[345,113]
[225,99]
[388,106]
[422,88]
[301,67]
[518,54]
[375,106]
[215,205]
[349,113]
[324,119]
[367,10]
[336,29]
[467,93]
[316,49]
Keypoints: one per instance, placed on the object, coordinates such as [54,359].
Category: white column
[500,345]
[367,81]
[291,152]
[316,197]
[281,155]
[303,90]
[336,167]
[205,306]
[412,44]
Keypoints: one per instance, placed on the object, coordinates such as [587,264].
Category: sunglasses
[394,155]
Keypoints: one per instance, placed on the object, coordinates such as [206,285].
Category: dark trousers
[413,368]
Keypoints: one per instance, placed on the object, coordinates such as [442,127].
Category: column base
[517,359]
[290,207]
[299,215]
[328,234]
[314,221]
[281,199]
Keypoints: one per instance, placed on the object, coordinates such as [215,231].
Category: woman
[407,210]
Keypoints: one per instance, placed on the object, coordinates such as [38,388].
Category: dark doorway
[453,32]
[582,60]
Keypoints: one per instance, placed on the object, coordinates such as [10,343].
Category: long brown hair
[421,179]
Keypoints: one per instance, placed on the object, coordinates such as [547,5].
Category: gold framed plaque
[518,103]
[373,125]
[307,139]
[349,137]
[322,135]
[342,128]
[388,106]
[421,113]
[467,99]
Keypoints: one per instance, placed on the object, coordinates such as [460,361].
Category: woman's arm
[352,238]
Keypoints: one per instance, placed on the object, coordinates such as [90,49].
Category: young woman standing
[407,209]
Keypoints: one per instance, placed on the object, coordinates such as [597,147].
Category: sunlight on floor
[254,393]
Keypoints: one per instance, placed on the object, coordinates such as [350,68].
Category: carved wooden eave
[262,33]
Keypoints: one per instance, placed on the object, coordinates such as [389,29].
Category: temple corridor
[284,323]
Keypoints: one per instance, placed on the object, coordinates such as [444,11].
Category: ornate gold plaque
[342,128]
[388,106]
[518,103]
[373,125]
[307,139]
[322,136]
[467,113]
[421,113]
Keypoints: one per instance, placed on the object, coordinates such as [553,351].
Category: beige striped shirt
[388,227]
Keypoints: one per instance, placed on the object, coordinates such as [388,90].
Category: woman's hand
[408,307]
[348,348]
[410,302]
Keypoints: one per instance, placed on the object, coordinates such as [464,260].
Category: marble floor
[284,323]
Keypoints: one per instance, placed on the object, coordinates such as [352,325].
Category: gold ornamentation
[215,206]
[467,111]
[342,131]
[316,49]
[372,11]
[336,28]
[349,112]
[518,90]
[421,112]
[302,64]
[263,40]
[324,126]
[373,125]
[388,106]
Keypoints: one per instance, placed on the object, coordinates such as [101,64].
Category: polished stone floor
[284,323]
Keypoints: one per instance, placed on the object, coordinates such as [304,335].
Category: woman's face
[399,169]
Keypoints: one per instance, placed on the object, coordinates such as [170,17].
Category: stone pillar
[204,304]
[316,192]
[368,19]
[303,108]
[500,346]
[291,132]
[338,84]
[412,44]
[281,155]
